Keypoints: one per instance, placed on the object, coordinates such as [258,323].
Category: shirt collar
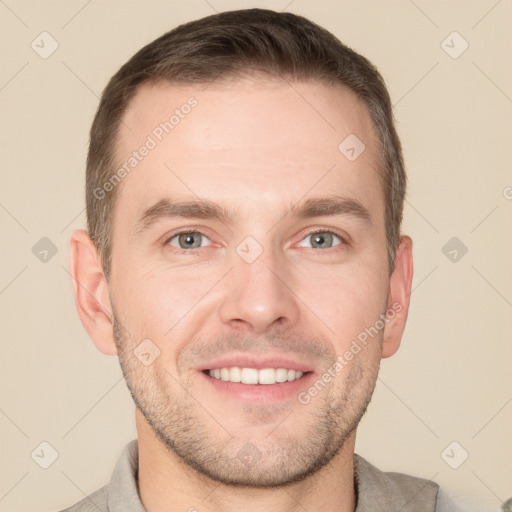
[377,490]
[123,492]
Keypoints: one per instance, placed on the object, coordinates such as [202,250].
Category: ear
[90,289]
[399,295]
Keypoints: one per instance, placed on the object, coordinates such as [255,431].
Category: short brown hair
[230,44]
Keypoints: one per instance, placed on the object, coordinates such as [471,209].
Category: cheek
[349,302]
[160,302]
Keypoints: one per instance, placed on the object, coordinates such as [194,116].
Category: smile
[255,376]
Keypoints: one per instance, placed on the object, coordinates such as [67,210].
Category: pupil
[322,239]
[188,240]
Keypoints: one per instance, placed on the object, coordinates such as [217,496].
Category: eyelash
[195,231]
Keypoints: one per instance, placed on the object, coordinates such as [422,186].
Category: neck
[167,484]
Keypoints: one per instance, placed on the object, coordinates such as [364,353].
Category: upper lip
[258,362]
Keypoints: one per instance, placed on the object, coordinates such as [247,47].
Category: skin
[256,147]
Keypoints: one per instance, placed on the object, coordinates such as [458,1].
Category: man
[245,188]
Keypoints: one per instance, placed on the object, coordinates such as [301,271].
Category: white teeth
[249,376]
[235,374]
[254,376]
[281,375]
[267,376]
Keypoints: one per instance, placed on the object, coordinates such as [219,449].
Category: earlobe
[399,295]
[90,289]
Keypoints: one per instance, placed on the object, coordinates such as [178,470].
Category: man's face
[262,287]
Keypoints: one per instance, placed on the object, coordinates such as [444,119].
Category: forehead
[246,141]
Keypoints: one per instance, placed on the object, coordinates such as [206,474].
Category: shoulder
[121,493]
[378,490]
[95,502]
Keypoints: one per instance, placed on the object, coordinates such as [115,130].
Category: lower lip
[260,392]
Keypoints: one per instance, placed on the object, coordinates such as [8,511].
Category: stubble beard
[196,434]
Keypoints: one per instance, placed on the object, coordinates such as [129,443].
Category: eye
[188,240]
[322,240]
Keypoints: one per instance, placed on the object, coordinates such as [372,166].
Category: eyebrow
[204,209]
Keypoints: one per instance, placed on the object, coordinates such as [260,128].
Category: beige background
[451,379]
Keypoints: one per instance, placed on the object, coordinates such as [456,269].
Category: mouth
[255,376]
[256,385]
[252,378]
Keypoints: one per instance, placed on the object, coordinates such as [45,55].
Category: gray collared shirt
[376,490]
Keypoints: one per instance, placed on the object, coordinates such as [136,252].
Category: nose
[259,296]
